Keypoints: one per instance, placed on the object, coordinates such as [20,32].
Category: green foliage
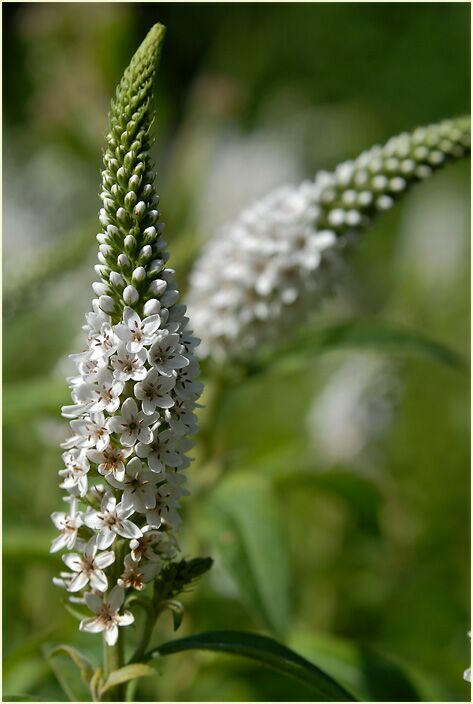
[245,526]
[267,652]
[375,335]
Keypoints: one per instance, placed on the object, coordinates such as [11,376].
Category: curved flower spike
[264,272]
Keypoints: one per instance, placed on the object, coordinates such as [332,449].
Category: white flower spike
[125,451]
[264,273]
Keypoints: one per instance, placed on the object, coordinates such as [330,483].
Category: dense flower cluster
[265,271]
[136,385]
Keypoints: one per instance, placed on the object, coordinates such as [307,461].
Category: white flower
[107,617]
[165,355]
[137,333]
[133,425]
[106,392]
[103,343]
[88,568]
[143,547]
[68,524]
[167,497]
[110,521]
[138,486]
[129,365]
[77,466]
[181,418]
[161,452]
[154,391]
[186,385]
[110,460]
[137,574]
[91,431]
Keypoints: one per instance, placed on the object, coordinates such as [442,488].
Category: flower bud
[139,274]
[107,304]
[139,209]
[130,199]
[123,261]
[130,295]
[151,307]
[117,279]
[99,288]
[129,244]
[157,287]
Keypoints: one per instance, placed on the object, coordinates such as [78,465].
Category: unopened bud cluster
[264,272]
[136,385]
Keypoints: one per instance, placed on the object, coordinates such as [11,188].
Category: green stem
[114,660]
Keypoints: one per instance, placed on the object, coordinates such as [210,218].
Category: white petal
[129,410]
[111,634]
[91,625]
[73,562]
[104,559]
[127,529]
[78,582]
[93,601]
[126,619]
[116,597]
[98,580]
[105,538]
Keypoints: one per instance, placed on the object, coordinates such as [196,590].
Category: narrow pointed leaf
[264,650]
[126,674]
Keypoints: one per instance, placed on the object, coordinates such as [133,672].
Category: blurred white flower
[263,273]
[353,409]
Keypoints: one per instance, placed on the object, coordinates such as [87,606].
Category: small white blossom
[107,618]
[138,486]
[153,392]
[68,523]
[165,355]
[110,461]
[150,541]
[132,424]
[106,392]
[75,473]
[161,452]
[137,574]
[137,333]
[129,365]
[88,568]
[104,343]
[110,521]
[91,431]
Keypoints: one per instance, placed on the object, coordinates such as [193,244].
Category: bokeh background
[340,524]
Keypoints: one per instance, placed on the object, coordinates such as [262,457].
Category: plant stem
[113,660]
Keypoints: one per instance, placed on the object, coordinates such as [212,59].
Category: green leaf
[67,676]
[374,335]
[370,675]
[86,668]
[177,610]
[266,651]
[245,526]
[127,673]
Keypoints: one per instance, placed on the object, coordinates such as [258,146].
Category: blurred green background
[340,520]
